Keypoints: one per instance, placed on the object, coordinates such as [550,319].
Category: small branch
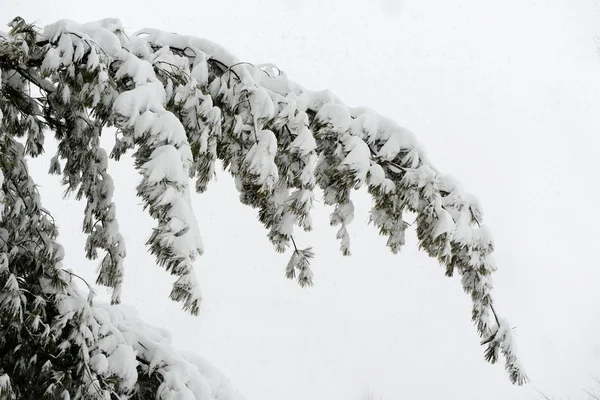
[474,217]
[77,276]
[294,243]
[495,315]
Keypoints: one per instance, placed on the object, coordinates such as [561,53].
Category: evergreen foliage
[181,104]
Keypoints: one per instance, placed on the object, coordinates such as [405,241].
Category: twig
[495,315]
[294,243]
[77,276]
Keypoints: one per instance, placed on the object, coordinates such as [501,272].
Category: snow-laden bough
[182,104]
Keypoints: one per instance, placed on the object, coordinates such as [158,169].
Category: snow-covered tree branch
[180,104]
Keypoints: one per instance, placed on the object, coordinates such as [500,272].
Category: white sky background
[504,95]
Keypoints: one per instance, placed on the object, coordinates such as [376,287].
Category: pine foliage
[180,104]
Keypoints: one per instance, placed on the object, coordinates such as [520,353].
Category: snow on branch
[163,153]
[73,347]
[182,103]
[352,146]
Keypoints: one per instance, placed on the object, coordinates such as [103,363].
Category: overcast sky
[505,95]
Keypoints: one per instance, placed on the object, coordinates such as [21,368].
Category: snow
[396,140]
[376,175]
[4,380]
[181,372]
[364,124]
[99,363]
[79,51]
[261,159]
[335,115]
[100,32]
[200,68]
[119,340]
[66,94]
[302,197]
[304,143]
[141,71]
[463,233]
[445,223]
[180,217]
[122,362]
[93,60]
[51,61]
[133,103]
[65,46]
[161,166]
[11,284]
[216,380]
[358,157]
[212,50]
[261,105]
[316,100]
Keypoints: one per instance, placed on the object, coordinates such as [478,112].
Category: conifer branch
[183,103]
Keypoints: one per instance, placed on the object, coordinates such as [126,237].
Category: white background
[505,95]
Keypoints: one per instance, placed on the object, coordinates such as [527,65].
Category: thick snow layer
[119,342]
[304,143]
[161,166]
[358,121]
[122,362]
[445,223]
[185,375]
[261,159]
[336,115]
[133,103]
[358,157]
[100,32]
